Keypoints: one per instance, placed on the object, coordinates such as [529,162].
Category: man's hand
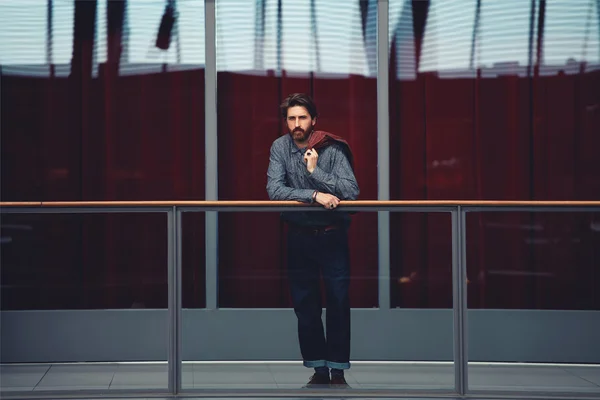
[328,201]
[310,158]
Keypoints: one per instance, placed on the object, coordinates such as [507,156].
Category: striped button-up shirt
[288,179]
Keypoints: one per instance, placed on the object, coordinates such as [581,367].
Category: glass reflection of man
[316,167]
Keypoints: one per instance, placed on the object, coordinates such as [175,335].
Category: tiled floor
[292,375]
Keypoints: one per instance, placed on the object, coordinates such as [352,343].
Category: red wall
[142,138]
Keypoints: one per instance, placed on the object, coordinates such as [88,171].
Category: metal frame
[211,153]
[174,250]
[383,151]
[174,226]
[459,303]
[463,383]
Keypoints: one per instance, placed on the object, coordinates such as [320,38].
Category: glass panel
[533,304]
[571,37]
[193,260]
[84,262]
[258,271]
[502,40]
[92,109]
[255,284]
[84,301]
[118,124]
[262,275]
[548,258]
[429,151]
[215,342]
[260,55]
[444,36]
[496,117]
[421,291]
[421,261]
[23,32]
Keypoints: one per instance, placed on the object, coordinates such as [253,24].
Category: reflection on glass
[87,295]
[530,300]
[461,36]
[74,262]
[501,105]
[32,37]
[248,39]
[421,260]
[472,105]
[447,36]
[140,32]
[261,276]
[571,36]
[401,39]
[26,46]
[546,259]
[119,124]
[502,37]
[141,24]
[99,127]
[91,110]
[193,260]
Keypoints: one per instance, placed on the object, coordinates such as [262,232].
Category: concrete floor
[292,375]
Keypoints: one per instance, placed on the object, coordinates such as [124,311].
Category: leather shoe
[317,381]
[338,382]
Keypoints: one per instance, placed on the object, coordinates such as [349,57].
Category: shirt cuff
[307,195]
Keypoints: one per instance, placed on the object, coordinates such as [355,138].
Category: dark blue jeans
[309,256]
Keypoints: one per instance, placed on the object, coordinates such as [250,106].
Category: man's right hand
[327,200]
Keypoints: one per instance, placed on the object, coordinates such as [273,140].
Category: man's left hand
[329,201]
[310,158]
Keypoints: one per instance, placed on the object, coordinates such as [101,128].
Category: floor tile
[589,373]
[77,375]
[25,376]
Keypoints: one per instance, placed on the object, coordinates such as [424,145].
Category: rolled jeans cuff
[338,365]
[315,363]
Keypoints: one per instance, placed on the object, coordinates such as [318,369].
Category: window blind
[571,36]
[326,40]
[31,38]
[402,37]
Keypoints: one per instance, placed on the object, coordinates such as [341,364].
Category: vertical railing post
[174,302]
[211,147]
[459,297]
[383,155]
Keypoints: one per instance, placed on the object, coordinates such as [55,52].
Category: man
[316,167]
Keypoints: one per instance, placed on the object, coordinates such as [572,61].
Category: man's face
[299,123]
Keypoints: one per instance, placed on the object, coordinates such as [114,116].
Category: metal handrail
[458,210]
[269,203]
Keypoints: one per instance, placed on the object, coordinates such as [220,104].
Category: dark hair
[299,99]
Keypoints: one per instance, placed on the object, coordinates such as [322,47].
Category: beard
[301,135]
